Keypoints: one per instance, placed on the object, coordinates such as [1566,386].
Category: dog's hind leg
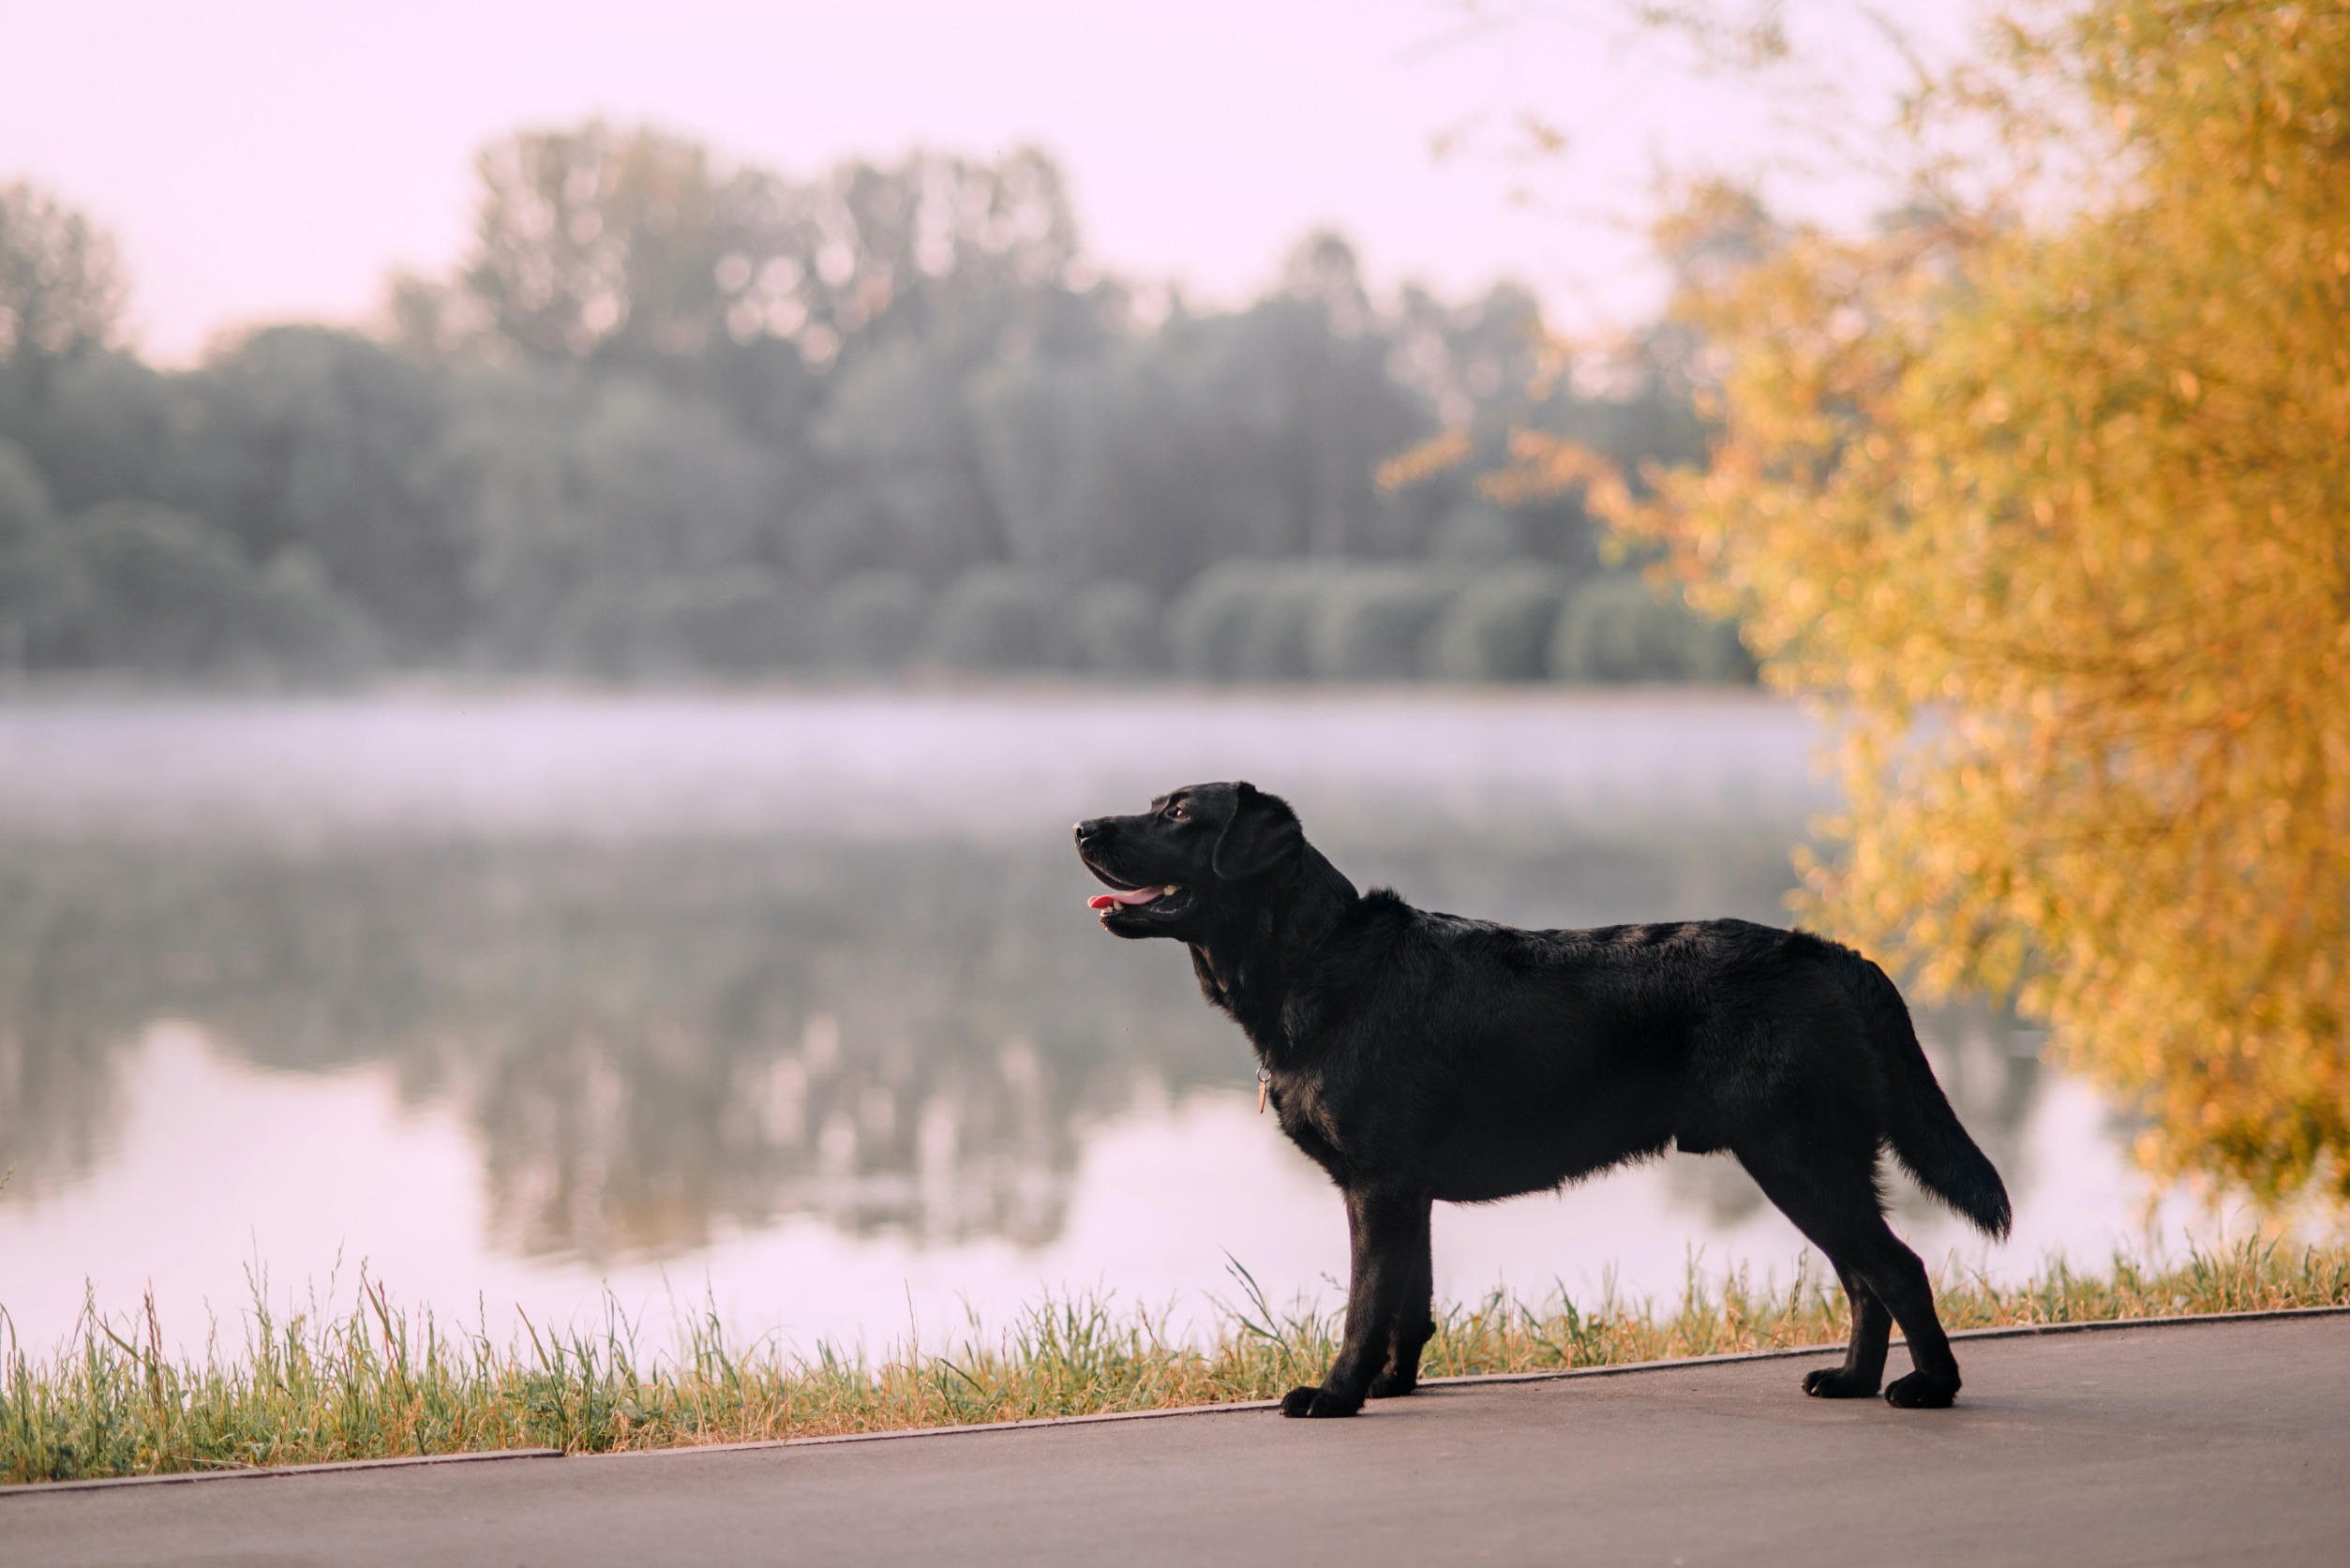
[1831,1194]
[1389,1231]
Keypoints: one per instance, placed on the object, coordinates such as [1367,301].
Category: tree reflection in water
[665,1037]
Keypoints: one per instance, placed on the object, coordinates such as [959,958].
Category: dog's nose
[1089,828]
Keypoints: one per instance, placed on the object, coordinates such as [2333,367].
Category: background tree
[91,416]
[305,438]
[678,417]
[2048,490]
[636,245]
[607,240]
[62,288]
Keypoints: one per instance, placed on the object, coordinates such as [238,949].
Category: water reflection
[651,1037]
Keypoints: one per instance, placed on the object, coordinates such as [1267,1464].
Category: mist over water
[791,1003]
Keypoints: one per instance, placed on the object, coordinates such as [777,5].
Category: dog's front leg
[1389,1233]
[1415,1321]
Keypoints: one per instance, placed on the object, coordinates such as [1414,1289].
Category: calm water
[793,1003]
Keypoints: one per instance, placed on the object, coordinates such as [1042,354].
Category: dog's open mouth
[1131,898]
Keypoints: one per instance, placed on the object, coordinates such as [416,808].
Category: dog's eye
[1179,813]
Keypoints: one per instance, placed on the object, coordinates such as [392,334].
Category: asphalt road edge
[272,1472]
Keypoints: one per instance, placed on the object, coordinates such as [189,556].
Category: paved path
[2205,1444]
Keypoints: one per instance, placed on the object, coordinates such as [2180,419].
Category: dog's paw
[1315,1404]
[1392,1384]
[1835,1382]
[1922,1391]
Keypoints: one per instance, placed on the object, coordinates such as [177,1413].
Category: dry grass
[379,1382]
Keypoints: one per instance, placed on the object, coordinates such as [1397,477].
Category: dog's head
[1180,868]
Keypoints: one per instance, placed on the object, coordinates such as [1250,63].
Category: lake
[790,1004]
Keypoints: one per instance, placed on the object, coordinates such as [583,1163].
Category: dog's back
[1532,1057]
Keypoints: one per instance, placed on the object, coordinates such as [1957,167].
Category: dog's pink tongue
[1140,895]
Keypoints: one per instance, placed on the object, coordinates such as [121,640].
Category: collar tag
[1265,1083]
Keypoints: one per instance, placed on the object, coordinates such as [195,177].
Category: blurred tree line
[672,417]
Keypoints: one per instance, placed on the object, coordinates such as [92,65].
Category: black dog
[1417,1056]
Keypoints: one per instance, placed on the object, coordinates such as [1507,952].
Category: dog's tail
[1926,1136]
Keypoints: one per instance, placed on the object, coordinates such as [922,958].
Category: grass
[376,1381]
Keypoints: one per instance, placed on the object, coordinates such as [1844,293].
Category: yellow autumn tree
[2052,503]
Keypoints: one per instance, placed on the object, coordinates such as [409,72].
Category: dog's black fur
[1418,1056]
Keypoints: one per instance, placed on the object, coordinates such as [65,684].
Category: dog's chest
[1311,1121]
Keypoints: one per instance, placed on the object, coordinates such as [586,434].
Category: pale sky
[271,160]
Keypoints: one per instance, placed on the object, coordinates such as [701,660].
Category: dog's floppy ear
[1261,833]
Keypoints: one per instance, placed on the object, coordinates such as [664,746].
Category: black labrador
[1416,1056]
